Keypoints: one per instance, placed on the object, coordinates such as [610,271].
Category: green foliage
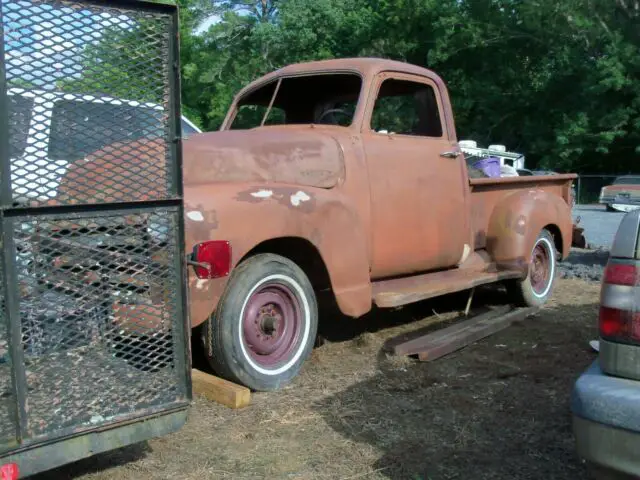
[558,80]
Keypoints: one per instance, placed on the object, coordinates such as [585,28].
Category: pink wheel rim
[540,269]
[272,324]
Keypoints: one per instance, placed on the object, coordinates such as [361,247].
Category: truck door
[417,183]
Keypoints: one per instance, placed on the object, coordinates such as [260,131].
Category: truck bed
[487,192]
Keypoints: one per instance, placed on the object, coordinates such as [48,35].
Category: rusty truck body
[346,176]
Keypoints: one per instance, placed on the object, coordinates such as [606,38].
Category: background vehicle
[68,126]
[606,416]
[622,195]
[344,176]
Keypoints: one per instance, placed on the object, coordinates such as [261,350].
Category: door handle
[450,154]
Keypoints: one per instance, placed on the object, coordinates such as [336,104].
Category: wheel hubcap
[540,269]
[271,324]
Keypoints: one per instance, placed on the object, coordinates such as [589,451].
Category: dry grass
[496,410]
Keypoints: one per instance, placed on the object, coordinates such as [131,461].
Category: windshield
[80,128]
[320,99]
[627,181]
[19,120]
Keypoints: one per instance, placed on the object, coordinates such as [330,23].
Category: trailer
[94,334]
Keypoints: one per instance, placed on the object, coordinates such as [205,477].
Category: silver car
[606,398]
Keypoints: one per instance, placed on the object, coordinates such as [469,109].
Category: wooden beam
[418,344]
[220,390]
[447,340]
[483,328]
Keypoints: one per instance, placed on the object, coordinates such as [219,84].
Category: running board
[402,291]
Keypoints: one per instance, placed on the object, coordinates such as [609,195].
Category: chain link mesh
[88,91]
[7,395]
[98,307]
[98,291]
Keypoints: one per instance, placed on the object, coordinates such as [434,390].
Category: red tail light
[619,316]
[212,259]
[621,274]
[9,471]
[619,324]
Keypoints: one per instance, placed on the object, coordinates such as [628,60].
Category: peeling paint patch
[262,194]
[201,283]
[299,197]
[195,216]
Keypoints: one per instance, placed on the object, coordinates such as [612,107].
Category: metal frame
[70,444]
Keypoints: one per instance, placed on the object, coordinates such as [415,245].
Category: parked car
[623,195]
[345,177]
[58,128]
[606,398]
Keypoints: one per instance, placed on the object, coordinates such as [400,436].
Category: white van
[50,130]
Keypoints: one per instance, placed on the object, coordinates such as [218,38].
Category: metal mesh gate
[92,317]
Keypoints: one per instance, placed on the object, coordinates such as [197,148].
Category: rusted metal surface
[373,205]
[306,158]
[578,239]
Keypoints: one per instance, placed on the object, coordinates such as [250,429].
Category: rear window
[627,181]
[20,109]
[80,128]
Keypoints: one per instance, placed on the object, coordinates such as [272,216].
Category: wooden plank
[220,390]
[417,345]
[484,328]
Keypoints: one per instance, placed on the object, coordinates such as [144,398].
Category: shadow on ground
[99,463]
[496,410]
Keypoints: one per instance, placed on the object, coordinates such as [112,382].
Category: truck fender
[518,219]
[249,215]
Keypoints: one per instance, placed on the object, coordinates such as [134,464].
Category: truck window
[309,99]
[406,108]
[19,119]
[80,128]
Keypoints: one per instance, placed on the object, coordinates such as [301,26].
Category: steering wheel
[332,110]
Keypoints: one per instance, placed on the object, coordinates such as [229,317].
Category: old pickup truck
[345,176]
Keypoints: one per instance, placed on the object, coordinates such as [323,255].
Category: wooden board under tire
[220,390]
[447,340]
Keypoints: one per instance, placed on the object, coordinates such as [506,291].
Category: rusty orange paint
[375,206]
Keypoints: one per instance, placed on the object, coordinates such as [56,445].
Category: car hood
[299,156]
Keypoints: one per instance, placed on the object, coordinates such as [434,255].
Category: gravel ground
[600,228]
[599,225]
[585,265]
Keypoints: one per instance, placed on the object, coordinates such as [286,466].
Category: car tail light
[621,274]
[9,471]
[212,259]
[619,317]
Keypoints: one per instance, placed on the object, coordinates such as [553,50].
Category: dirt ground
[498,409]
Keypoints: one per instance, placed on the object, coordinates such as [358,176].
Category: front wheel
[536,288]
[265,325]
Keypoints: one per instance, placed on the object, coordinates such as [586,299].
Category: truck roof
[365,66]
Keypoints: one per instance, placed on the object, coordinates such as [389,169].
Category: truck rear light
[212,259]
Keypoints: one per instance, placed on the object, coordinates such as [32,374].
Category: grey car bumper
[606,420]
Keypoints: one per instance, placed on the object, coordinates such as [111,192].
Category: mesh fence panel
[94,276]
[89,95]
[8,428]
[98,307]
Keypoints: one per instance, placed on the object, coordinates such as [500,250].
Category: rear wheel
[536,288]
[265,325]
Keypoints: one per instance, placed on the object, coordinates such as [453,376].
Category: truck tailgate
[486,193]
